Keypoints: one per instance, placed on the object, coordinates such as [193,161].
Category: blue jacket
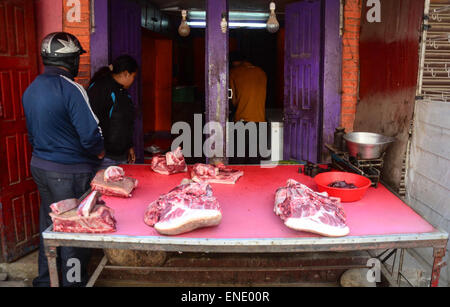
[61,125]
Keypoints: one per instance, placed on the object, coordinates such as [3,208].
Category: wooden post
[216,70]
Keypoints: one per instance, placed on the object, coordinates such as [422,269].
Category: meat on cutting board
[183,209]
[215,174]
[170,163]
[100,220]
[64,205]
[121,188]
[303,209]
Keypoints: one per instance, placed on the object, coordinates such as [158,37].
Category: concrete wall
[428,175]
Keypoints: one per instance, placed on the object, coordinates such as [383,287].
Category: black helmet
[62,49]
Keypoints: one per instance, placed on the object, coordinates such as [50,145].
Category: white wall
[428,169]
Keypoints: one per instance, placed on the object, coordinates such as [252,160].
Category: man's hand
[131,156]
[102,155]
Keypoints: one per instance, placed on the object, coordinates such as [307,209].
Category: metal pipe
[442,9]
[92,16]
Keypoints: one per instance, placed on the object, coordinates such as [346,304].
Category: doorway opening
[294,60]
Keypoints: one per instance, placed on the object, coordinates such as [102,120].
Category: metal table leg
[97,272]
[438,263]
[50,252]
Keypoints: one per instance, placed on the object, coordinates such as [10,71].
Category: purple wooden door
[125,38]
[302,81]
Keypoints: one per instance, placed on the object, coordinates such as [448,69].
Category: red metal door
[19,201]
[302,81]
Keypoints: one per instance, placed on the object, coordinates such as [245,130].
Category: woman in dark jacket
[114,108]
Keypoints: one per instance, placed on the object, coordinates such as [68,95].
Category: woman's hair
[124,63]
[120,64]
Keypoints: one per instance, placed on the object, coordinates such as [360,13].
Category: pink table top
[247,207]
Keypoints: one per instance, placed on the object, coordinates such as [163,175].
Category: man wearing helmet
[67,143]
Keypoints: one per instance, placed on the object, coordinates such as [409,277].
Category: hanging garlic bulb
[184,29]
[224,24]
[272,23]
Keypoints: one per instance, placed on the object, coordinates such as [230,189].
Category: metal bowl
[367,145]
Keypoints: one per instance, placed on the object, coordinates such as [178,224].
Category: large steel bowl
[367,145]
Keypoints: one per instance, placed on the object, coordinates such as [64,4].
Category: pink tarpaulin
[247,206]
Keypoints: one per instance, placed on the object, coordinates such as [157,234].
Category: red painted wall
[51,17]
[48,19]
[156,82]
[199,63]
[388,76]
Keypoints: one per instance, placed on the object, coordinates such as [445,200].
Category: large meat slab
[91,216]
[215,174]
[101,220]
[183,209]
[305,210]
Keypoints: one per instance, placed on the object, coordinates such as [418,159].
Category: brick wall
[350,62]
[76,20]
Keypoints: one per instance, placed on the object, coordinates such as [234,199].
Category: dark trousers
[54,187]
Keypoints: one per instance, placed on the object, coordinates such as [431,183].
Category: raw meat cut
[88,204]
[122,188]
[64,205]
[171,163]
[215,174]
[342,185]
[183,209]
[114,173]
[91,216]
[305,210]
[100,220]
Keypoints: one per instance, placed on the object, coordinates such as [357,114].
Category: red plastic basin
[346,195]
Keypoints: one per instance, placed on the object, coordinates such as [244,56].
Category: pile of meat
[113,182]
[89,216]
[183,209]
[215,174]
[303,209]
[342,185]
[170,163]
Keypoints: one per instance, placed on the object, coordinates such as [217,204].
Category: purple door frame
[125,38]
[100,36]
[216,67]
[332,74]
[312,79]
[302,92]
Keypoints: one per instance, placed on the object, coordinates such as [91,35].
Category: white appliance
[276,141]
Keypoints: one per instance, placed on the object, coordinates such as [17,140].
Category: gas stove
[370,169]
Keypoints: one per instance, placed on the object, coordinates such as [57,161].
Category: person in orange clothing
[249,86]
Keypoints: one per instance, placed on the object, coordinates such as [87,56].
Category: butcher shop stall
[327,201]
[313,211]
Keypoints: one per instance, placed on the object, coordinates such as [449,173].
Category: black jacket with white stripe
[114,108]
